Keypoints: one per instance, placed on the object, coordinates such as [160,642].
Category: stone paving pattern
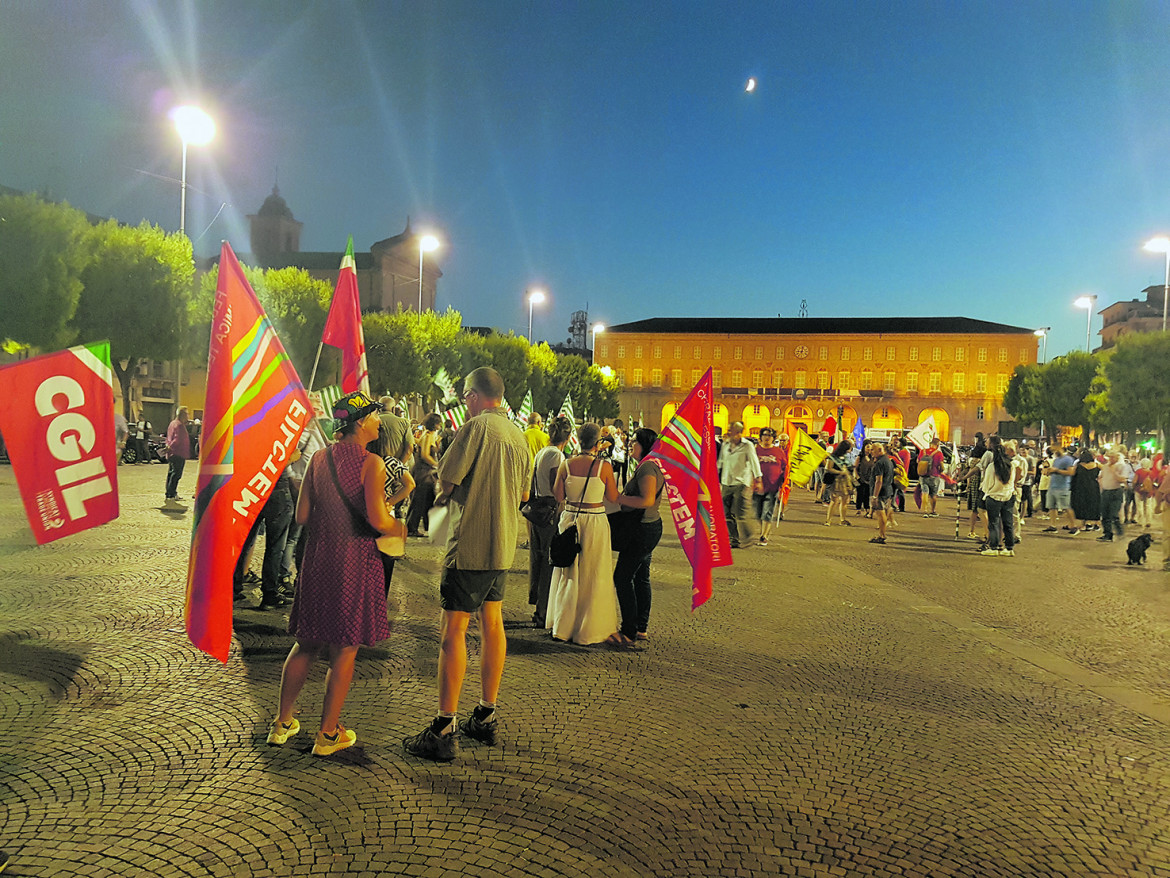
[836,709]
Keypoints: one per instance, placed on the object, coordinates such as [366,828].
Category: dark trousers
[736,503]
[631,578]
[421,501]
[540,569]
[276,516]
[1026,500]
[174,473]
[1111,501]
[861,496]
[1001,532]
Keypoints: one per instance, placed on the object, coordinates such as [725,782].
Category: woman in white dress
[582,603]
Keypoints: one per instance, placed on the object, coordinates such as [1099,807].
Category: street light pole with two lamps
[534,297]
[1161,244]
[1088,303]
[197,128]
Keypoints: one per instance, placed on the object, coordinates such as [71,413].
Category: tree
[1138,382]
[392,355]
[135,292]
[509,357]
[43,249]
[297,304]
[1022,398]
[1064,386]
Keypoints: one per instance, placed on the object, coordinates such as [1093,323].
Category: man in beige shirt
[483,479]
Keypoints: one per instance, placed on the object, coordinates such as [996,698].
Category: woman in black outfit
[631,575]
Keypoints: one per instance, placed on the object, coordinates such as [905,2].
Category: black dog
[1137,549]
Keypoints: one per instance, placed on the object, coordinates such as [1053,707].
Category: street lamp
[1088,303]
[1042,332]
[194,127]
[426,244]
[534,297]
[597,327]
[1161,244]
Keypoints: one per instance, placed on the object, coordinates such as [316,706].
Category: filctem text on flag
[260,485]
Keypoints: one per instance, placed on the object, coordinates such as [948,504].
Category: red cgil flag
[57,417]
[343,327]
[686,453]
[255,412]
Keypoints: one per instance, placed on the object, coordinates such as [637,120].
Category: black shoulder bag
[566,546]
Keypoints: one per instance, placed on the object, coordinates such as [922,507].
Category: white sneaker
[1011,553]
[280,732]
[991,551]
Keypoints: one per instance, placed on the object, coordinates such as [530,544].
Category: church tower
[274,229]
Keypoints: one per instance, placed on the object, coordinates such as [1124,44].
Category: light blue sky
[991,160]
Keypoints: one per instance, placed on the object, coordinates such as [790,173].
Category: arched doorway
[755,417]
[942,422]
[887,417]
[797,417]
[668,411]
[720,418]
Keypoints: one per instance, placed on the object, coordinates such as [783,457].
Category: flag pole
[316,360]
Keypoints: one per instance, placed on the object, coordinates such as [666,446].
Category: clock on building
[801,351]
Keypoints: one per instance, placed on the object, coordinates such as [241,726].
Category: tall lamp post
[534,297]
[426,244]
[1161,244]
[1088,303]
[194,127]
[1042,332]
[597,327]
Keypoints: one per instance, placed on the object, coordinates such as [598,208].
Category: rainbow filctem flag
[804,458]
[255,412]
[686,454]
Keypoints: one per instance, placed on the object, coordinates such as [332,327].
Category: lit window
[936,382]
[637,377]
[960,355]
[717,353]
[890,377]
[604,351]
[737,378]
[739,352]
[1001,383]
[780,353]
[696,374]
[678,352]
[637,352]
[756,409]
[676,377]
[1003,355]
[914,353]
[845,353]
[983,355]
[981,382]
[843,380]
[867,354]
[798,380]
[823,353]
[698,352]
[936,354]
[823,379]
[621,352]
[758,378]
[912,382]
[658,352]
[777,379]
[866,380]
[891,354]
[717,377]
[1023,355]
[759,352]
[959,383]
[979,413]
[656,378]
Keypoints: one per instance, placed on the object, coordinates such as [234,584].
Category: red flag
[255,412]
[686,453]
[343,327]
[57,417]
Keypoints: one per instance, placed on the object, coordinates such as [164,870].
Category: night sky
[985,159]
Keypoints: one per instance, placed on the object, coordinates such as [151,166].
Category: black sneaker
[273,602]
[428,745]
[484,732]
[1104,539]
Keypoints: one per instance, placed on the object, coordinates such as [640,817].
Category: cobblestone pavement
[837,708]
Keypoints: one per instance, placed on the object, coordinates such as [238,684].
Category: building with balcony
[889,372]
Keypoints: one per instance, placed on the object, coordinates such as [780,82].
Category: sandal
[847,522]
[878,540]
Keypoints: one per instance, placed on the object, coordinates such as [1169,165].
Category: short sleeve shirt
[1058,482]
[548,460]
[883,467]
[489,465]
[773,463]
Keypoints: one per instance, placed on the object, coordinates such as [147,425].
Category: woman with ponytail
[998,487]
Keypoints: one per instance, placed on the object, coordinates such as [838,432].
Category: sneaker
[1011,553]
[1104,539]
[484,732]
[280,732]
[990,551]
[273,602]
[1073,532]
[428,745]
[1050,530]
[763,542]
[339,740]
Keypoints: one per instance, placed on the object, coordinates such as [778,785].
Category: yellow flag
[804,458]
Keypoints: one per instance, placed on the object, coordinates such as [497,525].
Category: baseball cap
[353,407]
